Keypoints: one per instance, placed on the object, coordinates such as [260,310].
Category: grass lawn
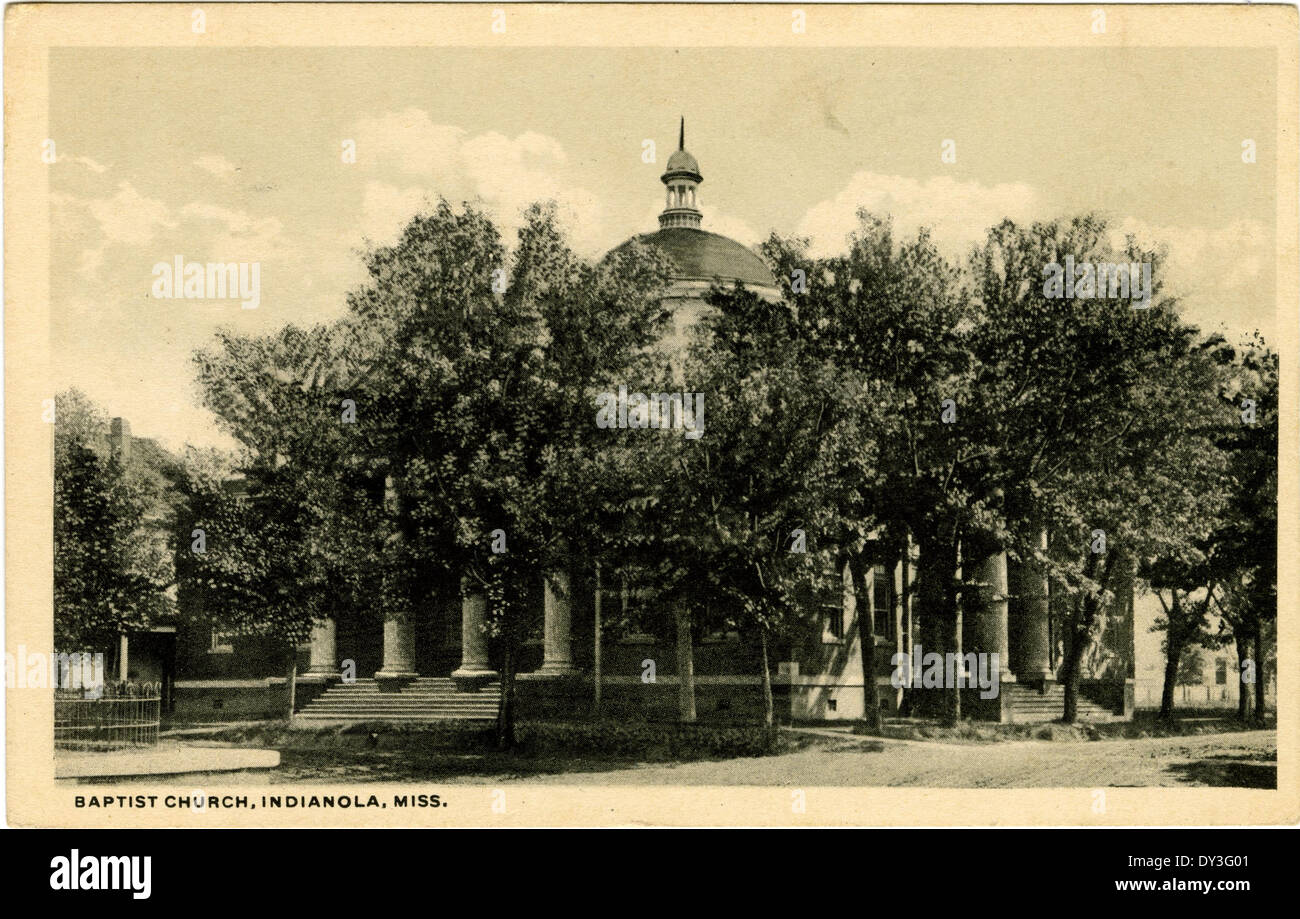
[450,751]
[1145,723]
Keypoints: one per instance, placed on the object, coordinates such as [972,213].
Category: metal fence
[109,717]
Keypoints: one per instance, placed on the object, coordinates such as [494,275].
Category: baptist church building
[439,664]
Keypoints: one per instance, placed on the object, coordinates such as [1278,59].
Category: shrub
[647,740]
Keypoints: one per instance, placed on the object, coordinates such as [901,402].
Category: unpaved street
[1245,759]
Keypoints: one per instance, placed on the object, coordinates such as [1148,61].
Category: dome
[683,163]
[703,256]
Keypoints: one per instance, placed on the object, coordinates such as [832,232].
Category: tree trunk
[596,649]
[937,596]
[506,713]
[291,681]
[1173,651]
[1079,633]
[1260,674]
[905,697]
[768,706]
[685,664]
[952,694]
[1244,689]
[866,610]
[1070,675]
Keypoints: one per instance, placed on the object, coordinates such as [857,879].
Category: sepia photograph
[420,407]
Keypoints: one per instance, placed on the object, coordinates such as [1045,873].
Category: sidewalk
[165,759]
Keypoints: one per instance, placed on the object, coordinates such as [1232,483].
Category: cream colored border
[30,31]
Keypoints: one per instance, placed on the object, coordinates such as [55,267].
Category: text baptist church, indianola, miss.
[439,663]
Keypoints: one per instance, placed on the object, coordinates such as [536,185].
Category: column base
[1039,681]
[320,676]
[473,680]
[394,680]
[550,673]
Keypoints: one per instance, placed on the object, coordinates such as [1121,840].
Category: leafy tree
[1246,543]
[107,581]
[484,370]
[311,530]
[895,317]
[788,442]
[1103,417]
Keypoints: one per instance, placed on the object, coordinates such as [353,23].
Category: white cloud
[129,217]
[725,225]
[958,213]
[233,235]
[386,209]
[1204,259]
[124,218]
[216,164]
[502,174]
[410,141]
[1220,274]
[85,162]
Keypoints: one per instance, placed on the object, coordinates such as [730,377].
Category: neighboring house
[1214,684]
[148,655]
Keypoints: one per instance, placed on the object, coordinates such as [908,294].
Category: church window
[883,597]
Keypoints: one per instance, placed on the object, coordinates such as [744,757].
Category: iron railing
[107,717]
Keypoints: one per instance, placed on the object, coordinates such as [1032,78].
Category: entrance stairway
[1027,705]
[423,699]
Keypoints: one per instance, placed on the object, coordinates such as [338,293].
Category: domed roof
[681,161]
[703,256]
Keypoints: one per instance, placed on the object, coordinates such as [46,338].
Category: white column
[322,662]
[557,657]
[399,651]
[474,664]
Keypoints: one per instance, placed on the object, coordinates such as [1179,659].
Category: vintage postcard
[637,414]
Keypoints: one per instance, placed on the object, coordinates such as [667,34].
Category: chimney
[119,439]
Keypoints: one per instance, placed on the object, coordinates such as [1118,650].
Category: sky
[237,155]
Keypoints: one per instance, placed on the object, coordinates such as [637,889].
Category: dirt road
[1247,759]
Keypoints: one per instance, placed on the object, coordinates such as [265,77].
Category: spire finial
[681,138]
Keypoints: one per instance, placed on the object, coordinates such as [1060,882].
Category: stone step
[1058,709]
[387,713]
[408,700]
[1028,704]
[410,703]
[334,703]
[421,699]
[377,712]
[410,695]
[415,686]
[450,716]
[409,683]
